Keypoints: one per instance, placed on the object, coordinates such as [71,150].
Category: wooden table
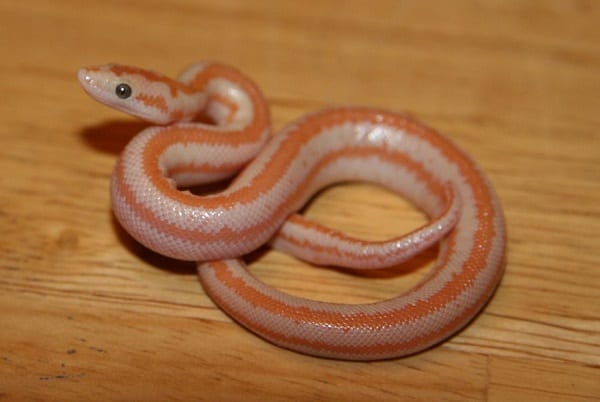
[88,314]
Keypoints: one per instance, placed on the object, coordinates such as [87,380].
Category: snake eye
[123,91]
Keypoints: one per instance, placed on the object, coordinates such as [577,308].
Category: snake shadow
[111,136]
[150,257]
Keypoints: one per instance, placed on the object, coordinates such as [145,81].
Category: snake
[212,123]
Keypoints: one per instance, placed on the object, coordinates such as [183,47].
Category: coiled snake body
[278,176]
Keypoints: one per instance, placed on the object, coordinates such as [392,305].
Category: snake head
[145,94]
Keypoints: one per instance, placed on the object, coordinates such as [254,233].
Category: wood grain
[88,314]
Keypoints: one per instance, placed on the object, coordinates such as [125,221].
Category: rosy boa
[278,176]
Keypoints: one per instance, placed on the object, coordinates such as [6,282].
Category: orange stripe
[321,249]
[228,103]
[179,115]
[202,168]
[374,322]
[249,194]
[411,312]
[475,262]
[279,163]
[174,86]
[261,112]
[157,102]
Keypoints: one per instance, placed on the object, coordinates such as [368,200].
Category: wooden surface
[88,314]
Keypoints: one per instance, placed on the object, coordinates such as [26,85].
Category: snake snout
[99,84]
[84,77]
[86,80]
